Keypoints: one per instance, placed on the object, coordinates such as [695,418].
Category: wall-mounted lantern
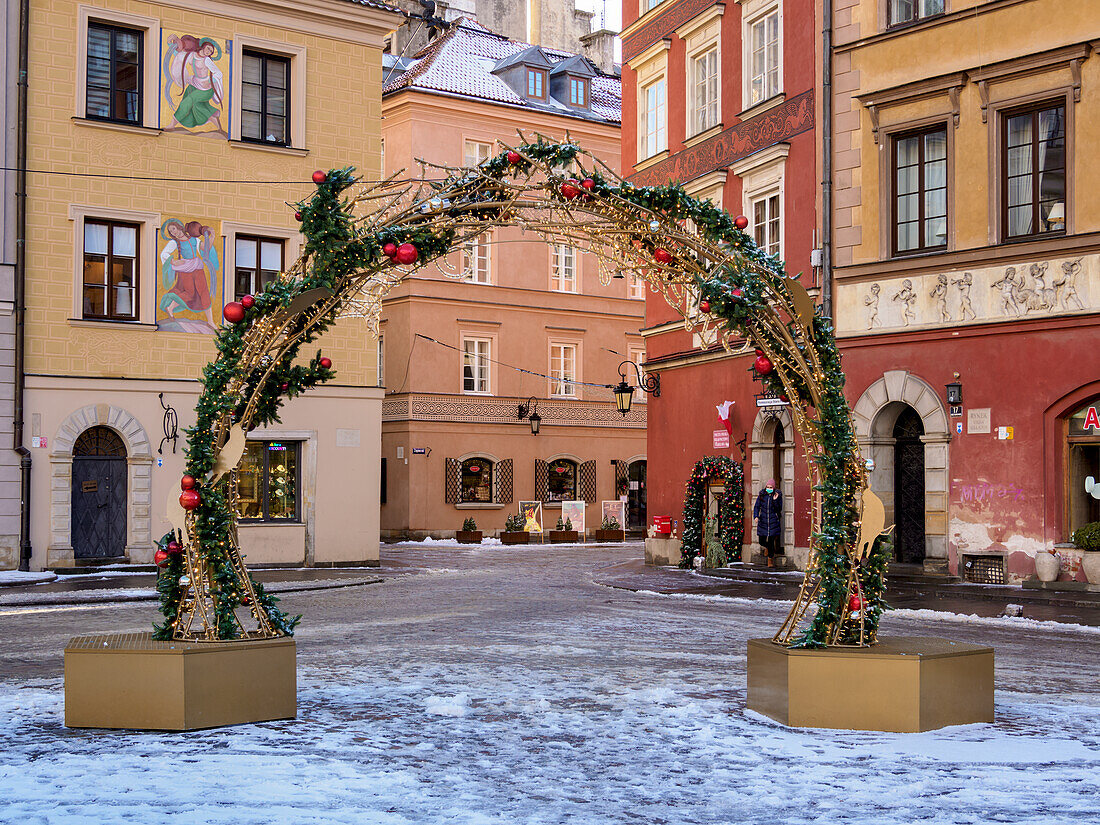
[529,410]
[955,392]
[624,393]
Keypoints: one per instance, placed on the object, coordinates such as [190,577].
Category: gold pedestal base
[904,684]
[127,680]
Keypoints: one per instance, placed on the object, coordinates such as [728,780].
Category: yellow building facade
[966,285]
[165,142]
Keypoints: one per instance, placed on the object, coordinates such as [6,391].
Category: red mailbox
[662,525]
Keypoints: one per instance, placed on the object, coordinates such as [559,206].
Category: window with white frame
[637,355]
[476,353]
[647,5]
[763,34]
[563,270]
[654,131]
[381,360]
[563,369]
[475,260]
[704,98]
[637,287]
[767,222]
[476,152]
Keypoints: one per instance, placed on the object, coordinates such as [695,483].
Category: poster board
[574,511]
[615,510]
[531,513]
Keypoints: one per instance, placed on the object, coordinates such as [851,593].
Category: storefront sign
[573,512]
[1092,422]
[420,450]
[770,400]
[721,440]
[977,421]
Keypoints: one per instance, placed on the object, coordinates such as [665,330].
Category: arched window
[562,481]
[477,481]
[1082,463]
[101,442]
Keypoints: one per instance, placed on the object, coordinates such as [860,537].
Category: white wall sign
[977,421]
[347,438]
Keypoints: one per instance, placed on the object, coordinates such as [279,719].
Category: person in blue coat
[768,515]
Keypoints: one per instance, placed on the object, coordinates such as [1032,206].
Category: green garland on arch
[731,508]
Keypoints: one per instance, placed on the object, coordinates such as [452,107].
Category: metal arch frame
[534,194]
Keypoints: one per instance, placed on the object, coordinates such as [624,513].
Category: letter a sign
[1092,420]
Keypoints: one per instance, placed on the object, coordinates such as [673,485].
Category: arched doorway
[909,487]
[99,495]
[773,458]
[912,477]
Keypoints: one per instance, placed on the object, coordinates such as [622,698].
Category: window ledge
[269,147]
[151,131]
[651,160]
[483,506]
[762,107]
[699,137]
[106,322]
[272,523]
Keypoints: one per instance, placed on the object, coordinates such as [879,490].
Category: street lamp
[954,391]
[529,410]
[624,393]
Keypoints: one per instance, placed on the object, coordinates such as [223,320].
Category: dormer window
[536,83]
[578,92]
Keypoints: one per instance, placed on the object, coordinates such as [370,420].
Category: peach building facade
[173,135]
[453,444]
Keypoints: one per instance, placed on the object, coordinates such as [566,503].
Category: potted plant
[513,531]
[1087,540]
[469,534]
[564,534]
[1047,566]
[610,530]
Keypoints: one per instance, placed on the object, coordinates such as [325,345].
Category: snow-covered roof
[462,61]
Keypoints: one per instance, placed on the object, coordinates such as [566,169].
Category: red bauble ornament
[762,365]
[758,351]
[248,302]
[173,547]
[741,222]
[570,190]
[704,305]
[190,499]
[297,216]
[406,254]
[854,602]
[326,363]
[662,255]
[319,177]
[514,158]
[389,250]
[188,483]
[588,184]
[284,387]
[784,398]
[233,312]
[244,598]
[160,558]
[736,294]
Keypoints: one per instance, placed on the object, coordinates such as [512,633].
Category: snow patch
[457,705]
[14,577]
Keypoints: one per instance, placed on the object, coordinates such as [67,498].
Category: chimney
[599,47]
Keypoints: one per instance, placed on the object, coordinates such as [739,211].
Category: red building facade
[721,97]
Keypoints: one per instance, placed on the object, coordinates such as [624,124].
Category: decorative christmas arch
[731,508]
[363,239]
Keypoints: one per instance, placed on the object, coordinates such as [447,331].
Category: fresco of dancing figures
[1014,290]
[190,251]
[194,84]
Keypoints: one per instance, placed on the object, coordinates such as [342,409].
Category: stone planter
[611,535]
[517,537]
[468,536]
[1091,565]
[1047,566]
[563,536]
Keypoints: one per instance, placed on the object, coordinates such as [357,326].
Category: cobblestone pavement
[501,685]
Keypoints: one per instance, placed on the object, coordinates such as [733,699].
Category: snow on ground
[11,577]
[508,689]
